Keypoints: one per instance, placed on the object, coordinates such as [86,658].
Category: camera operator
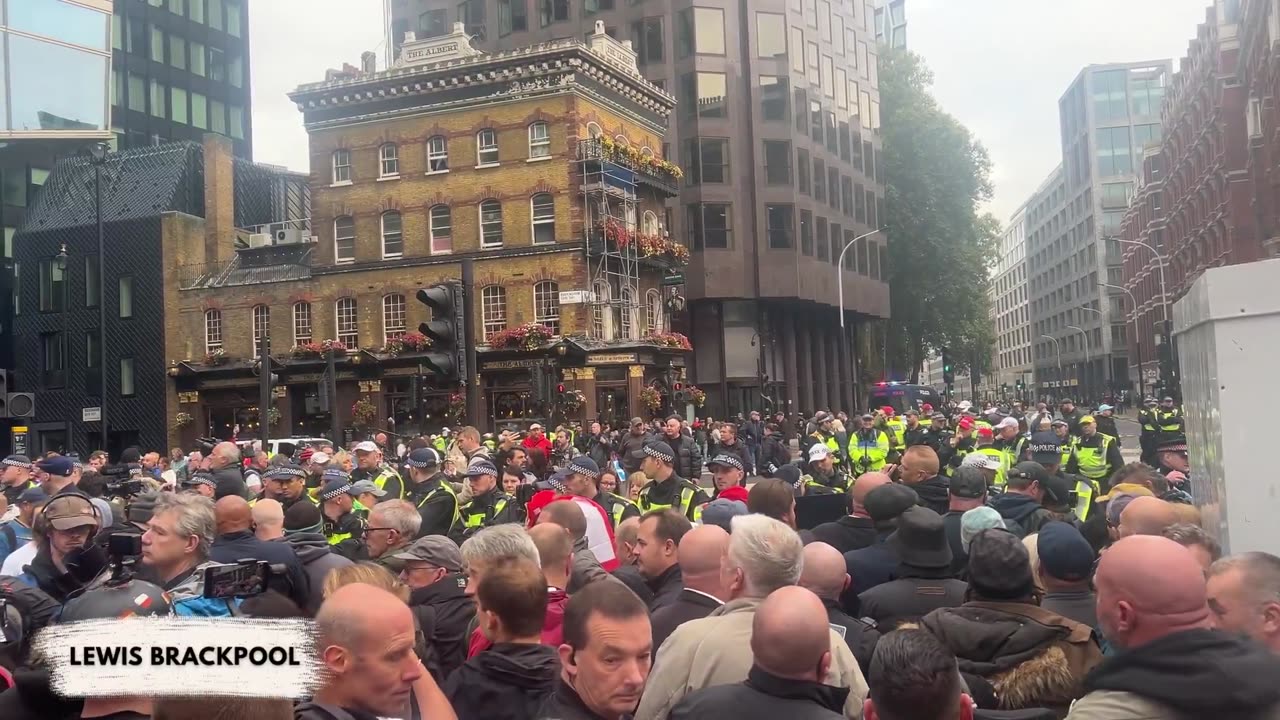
[134,519]
[65,558]
[224,463]
[175,552]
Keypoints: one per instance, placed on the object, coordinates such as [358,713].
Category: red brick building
[1193,203]
[1258,74]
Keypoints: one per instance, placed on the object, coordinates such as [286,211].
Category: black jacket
[763,696]
[505,682]
[959,558]
[861,636]
[318,558]
[919,435]
[597,448]
[871,566]
[243,545]
[628,444]
[444,613]
[847,534]
[1107,426]
[907,599]
[32,698]
[934,493]
[565,704]
[689,605]
[773,455]
[666,588]
[1022,514]
[737,449]
[1198,673]
[44,575]
[230,481]
[630,576]
[688,456]
[309,710]
[668,492]
[438,507]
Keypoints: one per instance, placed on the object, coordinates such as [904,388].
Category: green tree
[941,247]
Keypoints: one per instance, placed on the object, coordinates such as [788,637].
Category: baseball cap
[366,446]
[1045,448]
[436,550]
[964,424]
[535,426]
[972,522]
[1059,421]
[821,417]
[309,454]
[1057,488]
[979,460]
[1087,419]
[819,452]
[868,416]
[319,458]
[366,486]
[201,477]
[889,501]
[1105,407]
[57,466]
[33,494]
[999,566]
[335,473]
[726,460]
[967,482]
[70,510]
[637,421]
[1064,553]
[887,410]
[722,511]
[790,474]
[985,432]
[965,405]
[1007,423]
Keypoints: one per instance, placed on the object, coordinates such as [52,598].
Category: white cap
[980,460]
[366,446]
[965,405]
[1006,423]
[819,452]
[319,458]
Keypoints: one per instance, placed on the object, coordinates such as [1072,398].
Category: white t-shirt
[18,559]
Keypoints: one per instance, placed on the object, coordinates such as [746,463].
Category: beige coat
[1117,705]
[716,650]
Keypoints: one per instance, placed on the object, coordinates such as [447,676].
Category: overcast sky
[1000,66]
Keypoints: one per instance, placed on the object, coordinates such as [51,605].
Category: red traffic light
[560,388]
[676,387]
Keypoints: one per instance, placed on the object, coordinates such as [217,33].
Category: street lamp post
[61,262]
[1164,303]
[1110,373]
[98,156]
[1138,342]
[1058,349]
[840,268]
[1086,357]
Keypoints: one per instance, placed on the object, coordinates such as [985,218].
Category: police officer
[915,432]
[369,466]
[1168,420]
[824,432]
[894,426]
[727,472]
[822,473]
[582,478]
[986,446]
[1046,449]
[1010,440]
[868,447]
[1096,455]
[1062,431]
[429,491]
[668,490]
[489,505]
[1147,438]
[342,524]
[15,478]
[285,484]
[961,443]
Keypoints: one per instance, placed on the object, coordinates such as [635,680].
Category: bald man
[792,648]
[825,575]
[366,640]
[699,556]
[919,471]
[856,530]
[586,566]
[236,542]
[1147,516]
[1153,605]
[268,520]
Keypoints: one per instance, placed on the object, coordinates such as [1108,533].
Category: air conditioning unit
[285,236]
[257,240]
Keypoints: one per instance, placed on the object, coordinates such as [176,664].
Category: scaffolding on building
[610,225]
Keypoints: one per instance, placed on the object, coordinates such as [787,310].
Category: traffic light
[447,331]
[678,395]
[271,380]
[12,404]
[948,370]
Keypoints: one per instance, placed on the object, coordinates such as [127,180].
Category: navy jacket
[244,545]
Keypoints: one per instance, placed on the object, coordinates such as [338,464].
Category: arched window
[490,224]
[601,322]
[487,147]
[546,305]
[649,223]
[594,131]
[388,161]
[393,323]
[301,323]
[437,154]
[441,229]
[344,239]
[212,330]
[627,314]
[621,140]
[493,310]
[392,237]
[341,166]
[544,218]
[646,151]
[653,312]
[348,322]
[261,328]
[539,140]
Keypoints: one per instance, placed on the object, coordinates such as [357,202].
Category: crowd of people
[988,563]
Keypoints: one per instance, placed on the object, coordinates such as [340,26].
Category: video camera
[245,578]
[205,445]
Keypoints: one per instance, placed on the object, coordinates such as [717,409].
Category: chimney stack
[368,62]
[219,199]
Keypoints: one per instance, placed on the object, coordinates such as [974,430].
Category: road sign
[576,297]
[91,414]
[673,278]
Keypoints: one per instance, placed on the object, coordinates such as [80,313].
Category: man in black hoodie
[856,530]
[511,679]
[919,471]
[1030,491]
[304,532]
[438,598]
[1152,604]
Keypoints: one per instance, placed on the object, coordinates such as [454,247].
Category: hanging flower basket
[182,420]
[408,342]
[364,412]
[457,407]
[647,245]
[651,397]
[214,358]
[273,416]
[669,340]
[529,336]
[313,350]
[572,400]
[696,395]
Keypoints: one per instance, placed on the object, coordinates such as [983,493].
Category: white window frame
[493,310]
[653,311]
[539,142]
[212,330]
[398,235]
[432,227]
[437,158]
[487,148]
[601,321]
[302,328]
[487,226]
[261,315]
[594,130]
[546,304]
[388,161]
[649,223]
[393,317]
[341,167]
[346,320]
[627,314]
[338,259]
[536,222]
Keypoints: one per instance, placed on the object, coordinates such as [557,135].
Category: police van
[903,396]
